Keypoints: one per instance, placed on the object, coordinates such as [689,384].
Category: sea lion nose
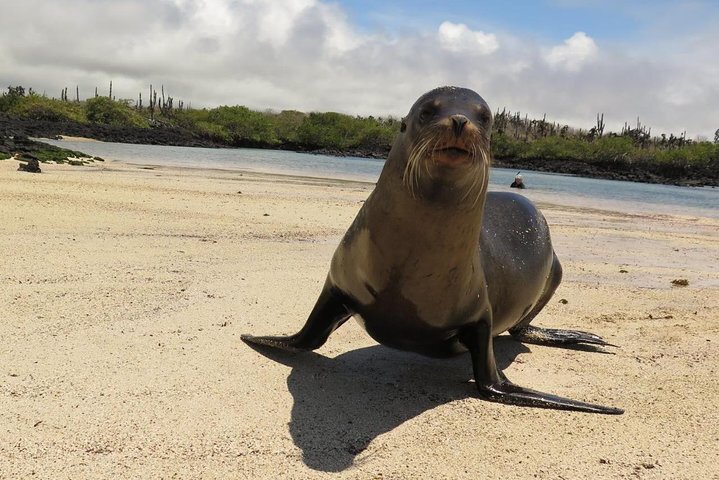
[458,123]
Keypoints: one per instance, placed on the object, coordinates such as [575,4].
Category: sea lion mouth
[439,157]
[452,151]
[452,156]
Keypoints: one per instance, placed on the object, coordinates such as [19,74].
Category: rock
[32,165]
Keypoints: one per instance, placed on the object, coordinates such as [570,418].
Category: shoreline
[538,195]
[546,185]
[249,174]
[177,136]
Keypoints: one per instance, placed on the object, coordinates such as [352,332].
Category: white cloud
[214,16]
[276,20]
[458,37]
[308,55]
[576,51]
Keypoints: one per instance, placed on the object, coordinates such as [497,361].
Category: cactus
[152,104]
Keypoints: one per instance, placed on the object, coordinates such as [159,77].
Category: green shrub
[329,130]
[110,112]
[695,154]
[10,98]
[336,130]
[286,124]
[375,134]
[504,146]
[38,107]
[213,131]
[241,123]
[612,149]
[560,148]
[187,118]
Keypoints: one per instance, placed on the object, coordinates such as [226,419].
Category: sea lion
[436,265]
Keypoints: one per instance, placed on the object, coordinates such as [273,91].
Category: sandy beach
[125,290]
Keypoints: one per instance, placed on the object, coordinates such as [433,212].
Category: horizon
[568,59]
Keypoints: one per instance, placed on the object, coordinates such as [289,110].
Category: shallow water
[628,197]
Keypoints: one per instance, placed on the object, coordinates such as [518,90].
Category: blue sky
[570,59]
[551,20]
[611,20]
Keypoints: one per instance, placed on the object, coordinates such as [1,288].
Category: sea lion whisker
[422,158]
[476,178]
[483,177]
[416,156]
[472,188]
[485,174]
[408,177]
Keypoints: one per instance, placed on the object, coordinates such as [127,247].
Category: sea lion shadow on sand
[342,404]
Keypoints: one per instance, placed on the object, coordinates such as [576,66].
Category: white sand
[124,292]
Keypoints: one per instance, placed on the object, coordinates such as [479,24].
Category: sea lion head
[445,140]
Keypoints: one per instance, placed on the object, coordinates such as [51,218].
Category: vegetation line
[517,141]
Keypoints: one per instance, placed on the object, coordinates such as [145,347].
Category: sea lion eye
[483,114]
[427,113]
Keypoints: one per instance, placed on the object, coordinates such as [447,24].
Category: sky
[569,59]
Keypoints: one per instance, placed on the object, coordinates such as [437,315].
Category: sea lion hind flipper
[507,392]
[329,313]
[494,386]
[556,337]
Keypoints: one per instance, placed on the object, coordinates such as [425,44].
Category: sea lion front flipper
[493,385]
[556,337]
[329,313]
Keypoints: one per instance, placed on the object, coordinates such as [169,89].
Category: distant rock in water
[32,165]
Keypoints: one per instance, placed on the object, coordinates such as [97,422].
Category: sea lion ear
[403,126]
